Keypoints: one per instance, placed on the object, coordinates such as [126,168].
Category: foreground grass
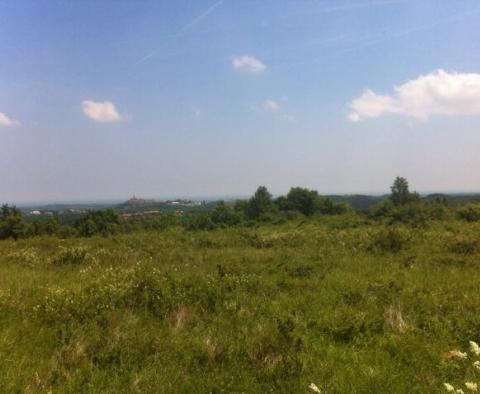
[350,306]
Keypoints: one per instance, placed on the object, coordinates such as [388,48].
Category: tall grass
[350,306]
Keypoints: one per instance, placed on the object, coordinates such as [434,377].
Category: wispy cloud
[180,32]
[101,111]
[295,8]
[271,105]
[392,35]
[5,121]
[354,6]
[367,42]
[249,64]
[275,107]
[437,93]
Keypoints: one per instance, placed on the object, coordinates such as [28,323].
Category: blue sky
[105,99]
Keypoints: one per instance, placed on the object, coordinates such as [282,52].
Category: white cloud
[371,105]
[104,112]
[437,93]
[249,64]
[5,121]
[271,105]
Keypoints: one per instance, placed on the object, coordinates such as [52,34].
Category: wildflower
[314,388]
[474,348]
[476,364]
[459,391]
[471,386]
[455,353]
[449,387]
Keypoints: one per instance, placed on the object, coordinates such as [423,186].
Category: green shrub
[463,246]
[381,209]
[12,223]
[28,256]
[225,215]
[199,221]
[74,255]
[469,213]
[390,239]
[345,325]
[102,222]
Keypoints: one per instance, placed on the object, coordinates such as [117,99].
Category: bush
[389,240]
[12,224]
[45,226]
[328,207]
[199,221]
[381,209]
[413,213]
[27,256]
[463,246]
[103,222]
[74,255]
[470,213]
[438,210]
[225,215]
[302,200]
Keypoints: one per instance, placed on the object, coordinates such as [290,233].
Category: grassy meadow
[347,304]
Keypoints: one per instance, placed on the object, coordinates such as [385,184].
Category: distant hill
[454,198]
[139,201]
[359,202]
[149,205]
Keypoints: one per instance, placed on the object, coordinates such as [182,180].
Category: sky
[109,99]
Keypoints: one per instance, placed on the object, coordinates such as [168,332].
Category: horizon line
[211,197]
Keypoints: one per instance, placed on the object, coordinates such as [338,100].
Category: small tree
[240,206]
[328,207]
[98,222]
[401,194]
[50,226]
[303,200]
[281,203]
[12,224]
[224,214]
[260,203]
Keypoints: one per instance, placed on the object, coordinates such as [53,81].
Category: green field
[351,305]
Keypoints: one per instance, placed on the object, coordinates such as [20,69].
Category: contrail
[196,20]
[387,37]
[183,29]
[354,6]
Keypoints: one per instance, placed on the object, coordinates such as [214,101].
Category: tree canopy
[259,204]
[401,194]
[12,224]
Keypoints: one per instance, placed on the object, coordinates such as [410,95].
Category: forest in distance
[401,205]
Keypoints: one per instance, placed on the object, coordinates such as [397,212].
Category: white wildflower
[474,348]
[314,388]
[471,386]
[457,354]
[476,364]
[459,391]
[449,387]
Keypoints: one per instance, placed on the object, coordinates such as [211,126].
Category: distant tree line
[402,205]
